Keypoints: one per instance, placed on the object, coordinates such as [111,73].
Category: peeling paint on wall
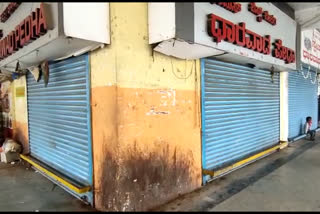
[168,97]
[153,112]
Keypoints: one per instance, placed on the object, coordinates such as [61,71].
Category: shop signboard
[310,47]
[258,31]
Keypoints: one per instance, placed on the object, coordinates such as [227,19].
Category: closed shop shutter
[59,119]
[303,102]
[240,112]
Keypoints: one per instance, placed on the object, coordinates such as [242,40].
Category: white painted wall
[284,107]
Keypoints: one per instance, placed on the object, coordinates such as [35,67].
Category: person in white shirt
[308,130]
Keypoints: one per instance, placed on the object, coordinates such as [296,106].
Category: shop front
[303,86]
[103,123]
[245,55]
[59,118]
[240,112]
[135,124]
[303,101]
[48,42]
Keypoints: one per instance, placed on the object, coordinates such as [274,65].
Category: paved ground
[284,181]
[23,189]
[288,180]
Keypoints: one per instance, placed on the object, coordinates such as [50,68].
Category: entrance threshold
[56,177]
[221,172]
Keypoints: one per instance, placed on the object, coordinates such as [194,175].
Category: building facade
[163,100]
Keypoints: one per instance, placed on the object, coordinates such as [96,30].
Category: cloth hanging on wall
[35,71]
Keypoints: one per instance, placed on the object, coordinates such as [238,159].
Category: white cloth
[35,72]
[307,128]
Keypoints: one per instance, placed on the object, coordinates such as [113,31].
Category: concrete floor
[293,187]
[284,181]
[23,189]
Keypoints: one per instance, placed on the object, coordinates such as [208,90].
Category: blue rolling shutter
[240,112]
[303,102]
[59,119]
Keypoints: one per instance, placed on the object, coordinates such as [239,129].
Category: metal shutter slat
[303,102]
[241,112]
[59,118]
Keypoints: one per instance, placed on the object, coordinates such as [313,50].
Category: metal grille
[59,118]
[303,102]
[240,110]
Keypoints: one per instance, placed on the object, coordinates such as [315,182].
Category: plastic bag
[10,145]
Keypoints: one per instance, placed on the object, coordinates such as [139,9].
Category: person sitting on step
[308,131]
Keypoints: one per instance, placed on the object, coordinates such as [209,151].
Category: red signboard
[231,6]
[252,7]
[261,15]
[8,11]
[31,28]
[283,53]
[223,30]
